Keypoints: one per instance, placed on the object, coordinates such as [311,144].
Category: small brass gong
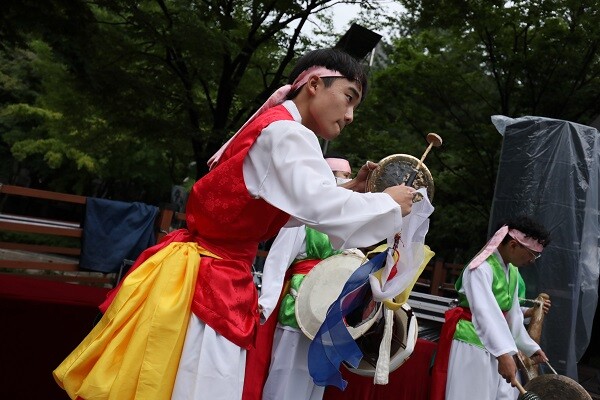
[395,169]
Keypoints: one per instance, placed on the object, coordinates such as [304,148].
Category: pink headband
[339,164]
[528,242]
[495,241]
[277,98]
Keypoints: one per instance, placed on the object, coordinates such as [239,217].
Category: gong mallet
[434,140]
[525,395]
[550,366]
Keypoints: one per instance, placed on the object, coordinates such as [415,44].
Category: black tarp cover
[549,170]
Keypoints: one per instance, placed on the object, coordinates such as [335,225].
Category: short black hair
[529,227]
[333,59]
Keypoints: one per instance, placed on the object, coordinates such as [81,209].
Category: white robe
[288,377]
[472,371]
[287,246]
[285,167]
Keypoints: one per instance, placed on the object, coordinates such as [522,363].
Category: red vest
[224,219]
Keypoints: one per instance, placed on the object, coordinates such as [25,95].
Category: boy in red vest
[180,323]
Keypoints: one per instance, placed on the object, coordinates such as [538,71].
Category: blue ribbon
[333,344]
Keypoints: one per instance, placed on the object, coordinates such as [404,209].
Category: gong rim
[387,174]
[557,387]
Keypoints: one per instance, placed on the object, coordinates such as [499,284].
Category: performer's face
[522,256]
[332,108]
[342,174]
[531,255]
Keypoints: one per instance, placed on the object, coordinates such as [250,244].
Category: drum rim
[559,378]
[303,296]
[400,357]
[384,162]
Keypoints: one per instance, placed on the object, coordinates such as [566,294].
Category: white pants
[473,374]
[288,375]
[210,368]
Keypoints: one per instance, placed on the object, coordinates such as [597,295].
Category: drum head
[395,169]
[557,387]
[321,287]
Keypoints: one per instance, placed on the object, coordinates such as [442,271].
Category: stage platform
[43,321]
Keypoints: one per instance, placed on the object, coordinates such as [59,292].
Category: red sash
[439,373]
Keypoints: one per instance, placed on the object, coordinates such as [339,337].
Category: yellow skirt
[134,351]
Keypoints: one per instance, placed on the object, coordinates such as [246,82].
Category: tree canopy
[115,99]
[165,82]
[452,66]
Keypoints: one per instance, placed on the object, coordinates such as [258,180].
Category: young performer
[281,347]
[180,323]
[485,331]
[340,168]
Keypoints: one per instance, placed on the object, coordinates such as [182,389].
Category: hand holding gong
[404,168]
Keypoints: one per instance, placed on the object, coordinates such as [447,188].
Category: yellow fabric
[397,302]
[134,351]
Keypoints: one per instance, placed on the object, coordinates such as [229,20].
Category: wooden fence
[59,262]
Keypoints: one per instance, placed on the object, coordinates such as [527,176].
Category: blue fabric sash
[333,343]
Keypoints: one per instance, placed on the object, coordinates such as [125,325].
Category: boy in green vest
[481,335]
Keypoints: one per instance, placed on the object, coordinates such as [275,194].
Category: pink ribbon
[495,241]
[489,247]
[276,98]
[528,242]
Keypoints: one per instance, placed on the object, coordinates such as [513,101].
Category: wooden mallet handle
[524,394]
[434,140]
[520,387]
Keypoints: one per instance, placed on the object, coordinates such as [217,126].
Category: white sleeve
[489,321]
[523,341]
[286,246]
[526,321]
[285,167]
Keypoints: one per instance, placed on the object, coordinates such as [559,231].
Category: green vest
[503,290]
[318,247]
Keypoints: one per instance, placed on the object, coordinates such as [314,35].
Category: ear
[512,243]
[312,84]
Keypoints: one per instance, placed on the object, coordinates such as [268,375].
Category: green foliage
[65,130]
[114,99]
[458,63]
[136,91]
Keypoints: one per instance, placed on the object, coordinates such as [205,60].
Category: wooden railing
[25,256]
[437,279]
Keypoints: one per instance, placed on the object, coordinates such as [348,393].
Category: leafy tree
[63,137]
[153,74]
[455,64]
